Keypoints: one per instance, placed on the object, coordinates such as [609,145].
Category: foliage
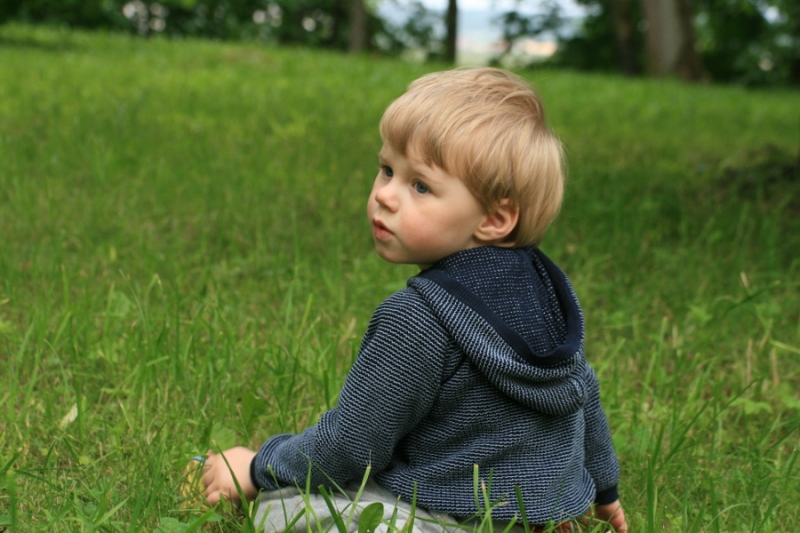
[515,26]
[753,42]
[592,47]
[740,44]
[185,260]
[85,13]
[420,31]
[322,23]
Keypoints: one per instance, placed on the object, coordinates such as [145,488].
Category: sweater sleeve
[601,460]
[390,388]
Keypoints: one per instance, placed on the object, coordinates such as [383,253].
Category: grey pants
[296,512]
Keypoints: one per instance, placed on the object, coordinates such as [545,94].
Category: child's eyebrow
[422,173]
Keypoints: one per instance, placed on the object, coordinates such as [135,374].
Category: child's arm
[390,388]
[218,475]
[601,460]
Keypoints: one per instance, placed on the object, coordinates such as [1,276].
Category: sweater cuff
[253,477]
[606,496]
[263,476]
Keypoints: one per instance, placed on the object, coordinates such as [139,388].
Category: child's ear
[499,223]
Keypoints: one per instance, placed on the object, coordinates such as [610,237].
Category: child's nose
[386,196]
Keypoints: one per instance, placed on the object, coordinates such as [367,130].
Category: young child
[478,362]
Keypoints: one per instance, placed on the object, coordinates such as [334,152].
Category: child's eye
[388,171]
[421,187]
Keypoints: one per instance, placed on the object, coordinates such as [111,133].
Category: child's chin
[392,259]
[392,256]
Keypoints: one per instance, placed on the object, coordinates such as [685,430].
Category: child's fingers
[218,484]
[210,475]
[213,497]
[214,488]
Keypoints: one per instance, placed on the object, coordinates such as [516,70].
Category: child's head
[486,127]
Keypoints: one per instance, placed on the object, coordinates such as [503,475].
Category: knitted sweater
[479,361]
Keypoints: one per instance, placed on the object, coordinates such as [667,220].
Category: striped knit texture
[435,391]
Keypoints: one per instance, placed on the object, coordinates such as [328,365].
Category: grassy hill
[185,260]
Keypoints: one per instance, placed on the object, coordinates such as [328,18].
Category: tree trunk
[670,40]
[792,28]
[621,13]
[451,21]
[358,26]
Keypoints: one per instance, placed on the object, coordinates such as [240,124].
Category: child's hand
[218,479]
[613,514]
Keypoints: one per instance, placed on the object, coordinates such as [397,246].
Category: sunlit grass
[184,260]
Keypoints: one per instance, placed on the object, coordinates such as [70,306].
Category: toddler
[478,364]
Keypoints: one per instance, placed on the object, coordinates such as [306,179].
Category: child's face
[420,214]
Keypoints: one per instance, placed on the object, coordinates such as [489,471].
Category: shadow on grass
[767,175]
[35,44]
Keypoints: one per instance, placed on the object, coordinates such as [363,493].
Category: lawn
[185,262]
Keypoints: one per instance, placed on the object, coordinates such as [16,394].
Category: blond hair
[487,127]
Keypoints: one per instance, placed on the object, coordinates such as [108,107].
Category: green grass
[184,258]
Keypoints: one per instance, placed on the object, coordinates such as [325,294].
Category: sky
[569,6]
[477,31]
[477,17]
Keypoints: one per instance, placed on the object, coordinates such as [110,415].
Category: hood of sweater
[515,314]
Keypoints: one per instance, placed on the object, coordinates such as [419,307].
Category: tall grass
[184,261]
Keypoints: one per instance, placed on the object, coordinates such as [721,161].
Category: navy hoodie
[477,365]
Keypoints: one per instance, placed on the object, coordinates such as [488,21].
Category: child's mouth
[380,231]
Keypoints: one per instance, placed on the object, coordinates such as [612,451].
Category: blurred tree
[787,39]
[341,24]
[749,42]
[516,25]
[670,40]
[451,36]
[623,17]
[608,38]
[83,13]
[358,26]
[412,27]
[9,9]
[727,37]
[754,42]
